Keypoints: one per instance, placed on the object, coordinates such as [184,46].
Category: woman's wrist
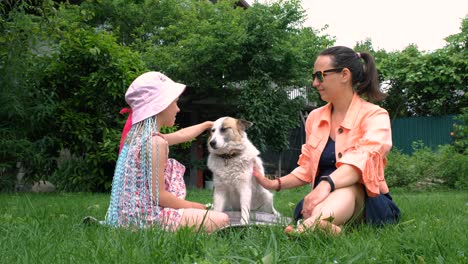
[329,181]
[271,184]
[278,184]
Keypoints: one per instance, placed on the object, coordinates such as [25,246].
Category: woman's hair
[364,75]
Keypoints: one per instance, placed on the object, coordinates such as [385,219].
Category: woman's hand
[262,180]
[315,197]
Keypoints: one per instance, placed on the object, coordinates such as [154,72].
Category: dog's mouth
[224,147]
[215,145]
[219,150]
[224,151]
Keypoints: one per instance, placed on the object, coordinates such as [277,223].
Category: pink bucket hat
[148,95]
[151,93]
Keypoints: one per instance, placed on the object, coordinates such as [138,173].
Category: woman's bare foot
[289,229]
[324,225]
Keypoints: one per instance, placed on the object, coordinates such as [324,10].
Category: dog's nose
[213,143]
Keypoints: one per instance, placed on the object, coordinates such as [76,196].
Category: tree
[279,55]
[424,84]
[237,56]
[67,67]
[24,110]
[66,86]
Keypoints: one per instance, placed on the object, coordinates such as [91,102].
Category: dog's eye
[223,129]
[213,130]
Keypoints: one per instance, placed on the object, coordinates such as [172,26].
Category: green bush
[451,167]
[399,170]
[460,132]
[88,77]
[64,86]
[24,110]
[7,178]
[426,168]
[71,174]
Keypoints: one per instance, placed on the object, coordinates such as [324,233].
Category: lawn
[46,228]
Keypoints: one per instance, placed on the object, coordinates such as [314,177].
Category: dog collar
[226,157]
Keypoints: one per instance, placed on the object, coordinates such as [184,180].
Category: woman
[347,142]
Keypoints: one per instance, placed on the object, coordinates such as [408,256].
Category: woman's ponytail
[363,70]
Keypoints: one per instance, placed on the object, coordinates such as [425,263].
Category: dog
[231,159]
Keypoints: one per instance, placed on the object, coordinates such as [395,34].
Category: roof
[243,3]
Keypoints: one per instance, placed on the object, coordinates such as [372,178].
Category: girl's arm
[166,199]
[187,133]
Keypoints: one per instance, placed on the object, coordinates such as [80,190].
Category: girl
[148,188]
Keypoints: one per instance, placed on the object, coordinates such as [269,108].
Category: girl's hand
[208,124]
[197,205]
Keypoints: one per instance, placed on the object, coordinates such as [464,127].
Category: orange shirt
[363,140]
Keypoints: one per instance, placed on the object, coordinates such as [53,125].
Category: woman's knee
[359,193]
[340,205]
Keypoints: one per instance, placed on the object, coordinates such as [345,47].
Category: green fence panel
[431,130]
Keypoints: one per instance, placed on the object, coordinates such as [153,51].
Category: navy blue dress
[379,210]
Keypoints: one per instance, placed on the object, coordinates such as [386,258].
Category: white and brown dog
[231,160]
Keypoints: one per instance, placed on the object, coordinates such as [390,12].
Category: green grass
[45,228]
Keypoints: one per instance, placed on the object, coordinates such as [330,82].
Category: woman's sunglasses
[320,74]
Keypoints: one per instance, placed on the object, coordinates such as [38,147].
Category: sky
[390,24]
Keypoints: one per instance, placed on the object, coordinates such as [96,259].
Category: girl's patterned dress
[132,202]
[174,183]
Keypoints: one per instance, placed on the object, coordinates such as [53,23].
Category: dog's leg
[219,198]
[266,199]
[276,213]
[245,202]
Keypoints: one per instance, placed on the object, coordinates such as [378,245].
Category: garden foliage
[68,67]
[428,169]
[64,69]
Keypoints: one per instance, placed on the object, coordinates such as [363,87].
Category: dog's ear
[244,124]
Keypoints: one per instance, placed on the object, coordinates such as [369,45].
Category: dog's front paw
[276,213]
[244,221]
